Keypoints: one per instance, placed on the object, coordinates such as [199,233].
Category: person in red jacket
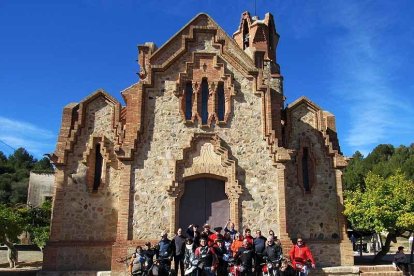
[299,255]
[248,236]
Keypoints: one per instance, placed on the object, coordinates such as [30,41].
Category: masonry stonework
[122,171]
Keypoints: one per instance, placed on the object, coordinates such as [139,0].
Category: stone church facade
[204,136]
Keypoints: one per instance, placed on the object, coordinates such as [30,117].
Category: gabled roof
[303,100]
[176,46]
[97,94]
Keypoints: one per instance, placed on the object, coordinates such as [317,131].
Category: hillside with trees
[379,192]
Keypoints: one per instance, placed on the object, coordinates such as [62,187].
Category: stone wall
[84,222]
[90,215]
[80,257]
[165,137]
[313,215]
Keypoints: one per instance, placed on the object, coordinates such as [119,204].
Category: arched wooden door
[204,201]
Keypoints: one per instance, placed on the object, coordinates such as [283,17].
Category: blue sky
[353,58]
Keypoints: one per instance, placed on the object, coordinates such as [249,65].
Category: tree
[21,159]
[37,222]
[384,160]
[386,204]
[43,166]
[12,226]
[355,173]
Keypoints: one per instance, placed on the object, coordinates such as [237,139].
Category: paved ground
[27,259]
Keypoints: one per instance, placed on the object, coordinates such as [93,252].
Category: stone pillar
[235,212]
[196,104]
[212,102]
[175,211]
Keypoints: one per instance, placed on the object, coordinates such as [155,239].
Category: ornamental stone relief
[205,156]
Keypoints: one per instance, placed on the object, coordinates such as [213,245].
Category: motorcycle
[143,271]
[302,269]
[270,268]
[162,267]
[234,269]
[142,267]
[194,268]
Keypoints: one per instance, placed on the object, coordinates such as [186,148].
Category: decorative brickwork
[205,65]
[205,106]
[205,156]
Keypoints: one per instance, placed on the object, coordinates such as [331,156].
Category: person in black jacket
[179,245]
[273,252]
[149,253]
[165,252]
[194,234]
[259,244]
[245,255]
[221,251]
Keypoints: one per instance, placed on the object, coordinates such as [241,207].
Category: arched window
[245,35]
[204,101]
[220,101]
[98,168]
[188,101]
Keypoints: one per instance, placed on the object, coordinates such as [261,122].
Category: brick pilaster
[119,249]
[347,255]
[281,189]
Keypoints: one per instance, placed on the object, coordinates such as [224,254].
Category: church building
[205,136]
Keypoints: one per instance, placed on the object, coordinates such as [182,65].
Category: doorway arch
[205,157]
[204,201]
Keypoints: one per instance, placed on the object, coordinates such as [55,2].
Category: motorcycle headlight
[194,262]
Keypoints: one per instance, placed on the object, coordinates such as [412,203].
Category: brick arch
[211,67]
[205,157]
[108,155]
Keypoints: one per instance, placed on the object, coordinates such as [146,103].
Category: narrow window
[188,101]
[271,34]
[259,57]
[220,101]
[204,101]
[98,168]
[305,169]
[245,35]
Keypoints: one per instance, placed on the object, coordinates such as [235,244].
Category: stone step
[376,268]
[382,273]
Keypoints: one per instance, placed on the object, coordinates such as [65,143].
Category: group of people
[212,252]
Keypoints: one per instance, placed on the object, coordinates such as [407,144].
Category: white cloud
[36,140]
[377,109]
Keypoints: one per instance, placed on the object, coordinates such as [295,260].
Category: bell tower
[259,39]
